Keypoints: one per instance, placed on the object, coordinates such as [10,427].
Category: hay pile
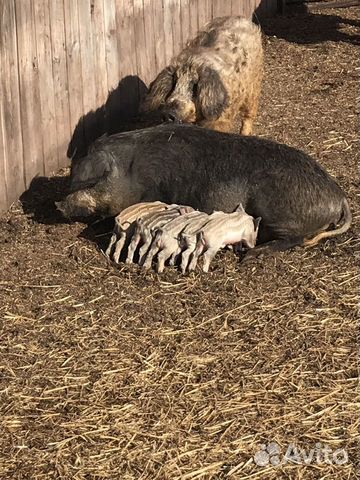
[111,373]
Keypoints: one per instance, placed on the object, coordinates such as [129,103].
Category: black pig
[185,164]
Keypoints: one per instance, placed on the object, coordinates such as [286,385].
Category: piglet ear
[256,223]
[240,208]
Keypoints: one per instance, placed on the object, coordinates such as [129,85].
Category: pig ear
[240,208]
[211,95]
[159,90]
[256,222]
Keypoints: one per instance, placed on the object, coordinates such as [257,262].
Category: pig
[192,225]
[125,220]
[165,242]
[188,237]
[218,232]
[215,80]
[299,202]
[145,226]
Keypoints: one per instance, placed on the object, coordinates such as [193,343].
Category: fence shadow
[99,232]
[38,200]
[310,28]
[118,114]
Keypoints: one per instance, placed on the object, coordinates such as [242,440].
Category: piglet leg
[111,244]
[198,251]
[162,257]
[145,247]
[155,247]
[185,257]
[208,256]
[119,246]
[174,257]
[133,245]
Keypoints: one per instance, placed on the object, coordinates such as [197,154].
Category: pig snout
[78,204]
[170,116]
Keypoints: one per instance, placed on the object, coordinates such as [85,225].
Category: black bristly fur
[209,170]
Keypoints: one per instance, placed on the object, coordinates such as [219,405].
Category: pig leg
[208,256]
[119,246]
[250,109]
[185,257]
[133,245]
[111,244]
[145,247]
[200,247]
[155,247]
[197,252]
[162,257]
[175,256]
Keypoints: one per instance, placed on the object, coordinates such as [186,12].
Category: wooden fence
[60,58]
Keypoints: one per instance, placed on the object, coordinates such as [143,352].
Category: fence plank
[3,153]
[29,90]
[111,44]
[60,77]
[86,52]
[184,23]
[175,18]
[128,97]
[13,181]
[194,20]
[126,38]
[159,36]
[98,34]
[204,12]
[46,86]
[140,45]
[218,8]
[74,67]
[149,40]
[168,31]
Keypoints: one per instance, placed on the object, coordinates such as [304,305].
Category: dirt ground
[110,373]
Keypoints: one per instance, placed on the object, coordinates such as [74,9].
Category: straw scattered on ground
[109,373]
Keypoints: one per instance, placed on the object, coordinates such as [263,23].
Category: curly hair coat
[215,81]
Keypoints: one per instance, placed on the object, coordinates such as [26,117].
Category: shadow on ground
[310,28]
[38,200]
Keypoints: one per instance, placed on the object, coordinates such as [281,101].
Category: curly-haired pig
[299,202]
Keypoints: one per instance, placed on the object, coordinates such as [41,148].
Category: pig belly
[230,238]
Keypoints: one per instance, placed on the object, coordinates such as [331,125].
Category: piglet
[125,220]
[227,229]
[145,226]
[166,240]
